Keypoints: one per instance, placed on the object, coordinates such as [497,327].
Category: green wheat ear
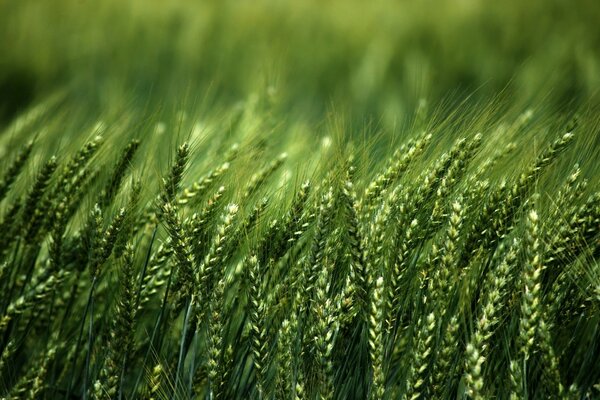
[491,308]
[15,168]
[530,303]
[119,172]
[258,330]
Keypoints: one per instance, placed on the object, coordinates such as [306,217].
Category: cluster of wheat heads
[436,281]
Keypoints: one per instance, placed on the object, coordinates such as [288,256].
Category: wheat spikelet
[205,275]
[258,333]
[216,358]
[530,303]
[443,369]
[491,309]
[417,379]
[155,383]
[120,342]
[397,166]
[172,182]
[198,188]
[325,332]
[15,168]
[119,172]
[257,179]
[376,341]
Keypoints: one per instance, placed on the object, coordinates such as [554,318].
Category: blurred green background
[364,60]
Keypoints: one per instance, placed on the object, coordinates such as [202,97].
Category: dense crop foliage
[231,200]
[424,278]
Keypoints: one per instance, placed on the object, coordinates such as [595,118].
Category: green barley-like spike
[7,354]
[58,230]
[346,299]
[517,388]
[283,233]
[155,383]
[287,356]
[551,372]
[299,392]
[580,226]
[452,177]
[557,294]
[569,191]
[531,296]
[205,276]
[297,284]
[216,332]
[257,179]
[566,204]
[292,226]
[156,273]
[128,229]
[106,241]
[285,370]
[257,319]
[487,164]
[31,384]
[475,192]
[503,202]
[84,180]
[126,305]
[39,382]
[15,168]
[446,264]
[182,249]
[207,273]
[399,164]
[431,179]
[200,223]
[417,378]
[439,179]
[315,259]
[326,326]
[376,345]
[479,230]
[121,168]
[3,271]
[39,293]
[473,378]
[31,213]
[443,369]
[394,290]
[377,260]
[492,305]
[199,188]
[544,159]
[120,342]
[9,226]
[96,231]
[242,231]
[172,182]
[358,268]
[69,171]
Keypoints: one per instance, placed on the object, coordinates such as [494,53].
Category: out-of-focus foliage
[376,59]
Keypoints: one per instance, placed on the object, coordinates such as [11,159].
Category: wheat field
[299,200]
